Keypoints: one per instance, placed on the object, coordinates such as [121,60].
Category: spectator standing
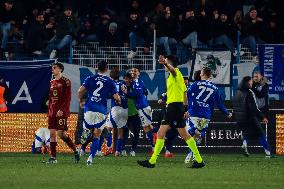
[67,27]
[7,17]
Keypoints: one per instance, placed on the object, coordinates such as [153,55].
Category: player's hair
[196,75]
[127,75]
[114,73]
[173,60]
[136,69]
[102,65]
[59,65]
[207,72]
[244,83]
[256,72]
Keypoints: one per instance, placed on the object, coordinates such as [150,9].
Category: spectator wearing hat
[67,27]
[7,17]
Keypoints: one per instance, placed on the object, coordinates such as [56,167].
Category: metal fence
[90,53]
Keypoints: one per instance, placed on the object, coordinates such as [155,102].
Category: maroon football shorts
[58,123]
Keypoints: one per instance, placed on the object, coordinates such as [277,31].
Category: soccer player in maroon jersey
[59,111]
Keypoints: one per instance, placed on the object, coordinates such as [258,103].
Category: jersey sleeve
[220,103]
[86,83]
[112,88]
[66,101]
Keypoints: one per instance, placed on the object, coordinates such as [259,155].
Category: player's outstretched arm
[220,104]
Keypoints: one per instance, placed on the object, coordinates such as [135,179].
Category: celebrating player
[202,97]
[59,111]
[99,88]
[119,112]
[139,93]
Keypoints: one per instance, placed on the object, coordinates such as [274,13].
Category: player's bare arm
[81,92]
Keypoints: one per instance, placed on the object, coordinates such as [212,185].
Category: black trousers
[134,125]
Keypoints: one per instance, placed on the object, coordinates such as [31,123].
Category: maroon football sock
[53,149]
[70,143]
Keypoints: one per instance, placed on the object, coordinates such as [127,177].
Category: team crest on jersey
[54,92]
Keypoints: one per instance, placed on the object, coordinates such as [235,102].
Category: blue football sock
[118,145]
[109,139]
[264,143]
[102,139]
[150,137]
[122,144]
[94,146]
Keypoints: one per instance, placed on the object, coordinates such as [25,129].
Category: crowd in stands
[47,26]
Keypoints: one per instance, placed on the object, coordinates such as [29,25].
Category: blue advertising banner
[271,59]
[29,84]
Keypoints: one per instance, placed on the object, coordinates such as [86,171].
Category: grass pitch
[23,170]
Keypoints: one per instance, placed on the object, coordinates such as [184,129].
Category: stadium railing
[88,54]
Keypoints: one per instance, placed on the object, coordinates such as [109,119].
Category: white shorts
[42,135]
[199,123]
[94,120]
[145,115]
[117,117]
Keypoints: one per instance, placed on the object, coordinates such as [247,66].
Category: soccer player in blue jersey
[118,115]
[202,97]
[139,94]
[99,88]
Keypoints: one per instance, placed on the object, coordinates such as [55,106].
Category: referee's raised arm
[164,61]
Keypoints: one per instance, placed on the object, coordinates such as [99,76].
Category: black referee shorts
[174,115]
